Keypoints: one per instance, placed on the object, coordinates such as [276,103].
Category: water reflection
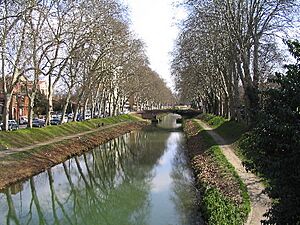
[184,192]
[137,179]
[168,122]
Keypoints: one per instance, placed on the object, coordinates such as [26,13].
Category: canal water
[140,178]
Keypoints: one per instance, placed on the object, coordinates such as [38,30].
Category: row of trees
[84,48]
[227,49]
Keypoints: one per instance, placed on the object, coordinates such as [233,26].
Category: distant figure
[100,124]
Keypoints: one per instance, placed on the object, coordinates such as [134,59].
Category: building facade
[19,106]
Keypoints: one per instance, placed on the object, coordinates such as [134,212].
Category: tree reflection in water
[183,186]
[140,178]
[109,185]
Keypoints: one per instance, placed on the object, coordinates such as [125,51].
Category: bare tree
[13,23]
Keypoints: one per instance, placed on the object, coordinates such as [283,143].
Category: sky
[155,22]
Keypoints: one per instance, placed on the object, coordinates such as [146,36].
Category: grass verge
[21,165]
[26,137]
[229,129]
[225,199]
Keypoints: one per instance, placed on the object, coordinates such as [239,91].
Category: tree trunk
[85,108]
[65,107]
[109,105]
[6,111]
[50,101]
[236,95]
[226,107]
[93,110]
[255,62]
[30,110]
[76,111]
[104,105]
[251,92]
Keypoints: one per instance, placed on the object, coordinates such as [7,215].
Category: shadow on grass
[231,132]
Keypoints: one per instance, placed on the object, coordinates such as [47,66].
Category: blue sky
[155,22]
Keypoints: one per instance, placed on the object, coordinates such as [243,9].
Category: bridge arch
[185,113]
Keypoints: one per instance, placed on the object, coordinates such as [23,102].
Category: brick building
[19,105]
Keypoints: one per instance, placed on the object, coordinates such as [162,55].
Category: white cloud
[154,21]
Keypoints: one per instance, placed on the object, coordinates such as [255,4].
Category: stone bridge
[185,113]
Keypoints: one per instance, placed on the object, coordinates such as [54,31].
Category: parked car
[13,125]
[79,117]
[38,122]
[23,120]
[87,117]
[55,121]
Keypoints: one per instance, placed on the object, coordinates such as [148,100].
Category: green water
[140,178]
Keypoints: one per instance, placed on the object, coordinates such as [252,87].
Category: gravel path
[260,202]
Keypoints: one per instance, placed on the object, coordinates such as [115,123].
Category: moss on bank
[224,198]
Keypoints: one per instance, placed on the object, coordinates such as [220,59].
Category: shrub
[273,146]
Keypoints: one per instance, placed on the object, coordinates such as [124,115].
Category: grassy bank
[230,130]
[225,199]
[18,166]
[26,137]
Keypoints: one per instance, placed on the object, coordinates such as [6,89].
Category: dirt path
[54,140]
[260,202]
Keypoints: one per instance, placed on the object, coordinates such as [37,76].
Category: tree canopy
[85,51]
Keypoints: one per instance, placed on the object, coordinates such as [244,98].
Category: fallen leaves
[207,170]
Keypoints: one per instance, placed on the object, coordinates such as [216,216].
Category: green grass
[26,137]
[219,209]
[212,120]
[228,129]
[231,130]
[236,133]
[219,157]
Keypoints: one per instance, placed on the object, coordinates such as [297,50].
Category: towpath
[260,202]
[54,140]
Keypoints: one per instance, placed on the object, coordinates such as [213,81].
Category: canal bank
[141,177]
[22,163]
[224,197]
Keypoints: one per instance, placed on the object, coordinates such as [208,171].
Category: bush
[273,147]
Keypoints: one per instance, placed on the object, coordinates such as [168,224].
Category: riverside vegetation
[26,137]
[225,199]
[270,145]
[19,164]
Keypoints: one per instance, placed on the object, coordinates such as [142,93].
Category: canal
[140,178]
